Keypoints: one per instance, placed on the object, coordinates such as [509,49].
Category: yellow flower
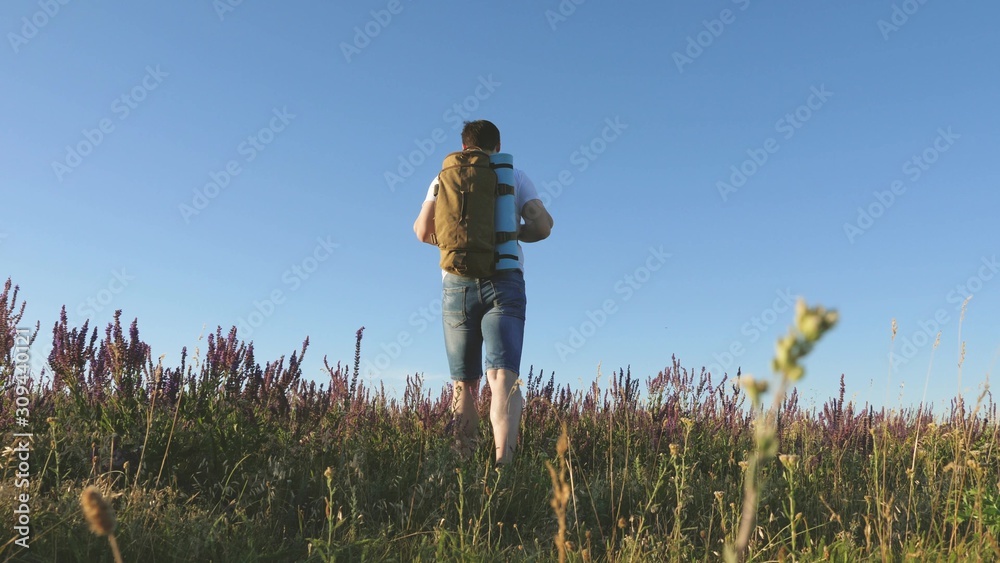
[810,327]
[796,373]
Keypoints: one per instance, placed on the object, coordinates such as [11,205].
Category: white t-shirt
[524,191]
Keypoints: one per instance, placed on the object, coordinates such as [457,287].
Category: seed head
[97,511]
[753,387]
[562,445]
[790,461]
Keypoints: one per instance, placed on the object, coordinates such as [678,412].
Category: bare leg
[463,407]
[505,412]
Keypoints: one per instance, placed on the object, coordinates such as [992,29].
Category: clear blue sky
[116,118]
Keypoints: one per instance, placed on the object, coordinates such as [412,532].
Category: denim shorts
[483,310]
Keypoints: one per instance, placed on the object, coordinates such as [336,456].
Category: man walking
[487,310]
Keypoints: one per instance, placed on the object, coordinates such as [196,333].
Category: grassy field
[223,459]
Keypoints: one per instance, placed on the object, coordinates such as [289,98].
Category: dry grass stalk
[561,491]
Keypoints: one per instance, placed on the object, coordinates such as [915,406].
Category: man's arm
[537,222]
[423,227]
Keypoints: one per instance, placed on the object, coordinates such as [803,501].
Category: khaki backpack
[464,220]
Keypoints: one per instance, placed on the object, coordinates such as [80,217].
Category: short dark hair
[481,134]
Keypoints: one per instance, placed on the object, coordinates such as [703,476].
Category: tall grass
[221,458]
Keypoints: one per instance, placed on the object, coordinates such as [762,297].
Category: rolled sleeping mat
[505,214]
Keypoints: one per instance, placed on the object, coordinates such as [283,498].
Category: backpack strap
[464,166]
[505,237]
[505,189]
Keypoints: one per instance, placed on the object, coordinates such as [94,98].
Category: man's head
[482,134]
